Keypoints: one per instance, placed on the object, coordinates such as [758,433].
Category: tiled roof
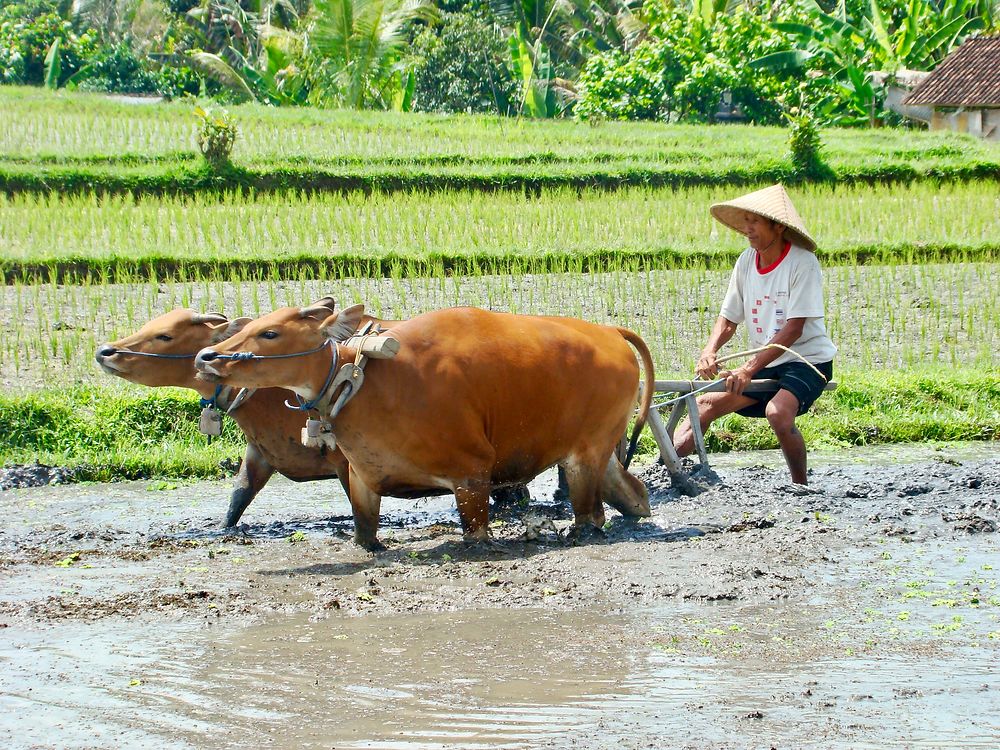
[969,76]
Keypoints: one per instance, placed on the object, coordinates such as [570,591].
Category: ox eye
[164,337]
[269,335]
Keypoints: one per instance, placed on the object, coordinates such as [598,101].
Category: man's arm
[722,331]
[736,380]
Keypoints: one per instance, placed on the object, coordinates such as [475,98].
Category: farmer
[776,291]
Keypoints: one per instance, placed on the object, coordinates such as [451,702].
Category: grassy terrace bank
[113,435]
[77,142]
[294,235]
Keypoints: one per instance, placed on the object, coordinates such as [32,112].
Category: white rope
[695,391]
[794,353]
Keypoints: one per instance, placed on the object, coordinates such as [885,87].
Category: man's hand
[707,368]
[736,380]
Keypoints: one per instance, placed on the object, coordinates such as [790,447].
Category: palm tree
[360,44]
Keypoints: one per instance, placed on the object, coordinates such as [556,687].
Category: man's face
[762,233]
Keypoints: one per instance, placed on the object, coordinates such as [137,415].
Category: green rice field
[888,318]
[256,228]
[40,130]
[108,219]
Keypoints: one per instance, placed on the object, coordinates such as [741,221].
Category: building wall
[991,124]
[982,123]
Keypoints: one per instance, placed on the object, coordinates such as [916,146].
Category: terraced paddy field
[860,610]
[278,235]
[54,141]
[108,218]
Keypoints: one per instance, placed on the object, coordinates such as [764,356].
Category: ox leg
[473,499]
[253,475]
[624,492]
[584,482]
[366,505]
[342,468]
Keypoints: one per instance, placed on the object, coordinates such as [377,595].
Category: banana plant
[845,51]
[53,67]
[277,81]
[534,66]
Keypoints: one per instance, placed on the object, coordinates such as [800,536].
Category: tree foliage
[463,65]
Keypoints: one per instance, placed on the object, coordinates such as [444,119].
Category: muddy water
[865,613]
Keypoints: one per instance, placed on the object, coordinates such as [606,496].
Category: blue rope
[154,356]
[210,402]
[310,405]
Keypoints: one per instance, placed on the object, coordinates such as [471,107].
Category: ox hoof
[236,533]
[484,544]
[372,545]
[585,534]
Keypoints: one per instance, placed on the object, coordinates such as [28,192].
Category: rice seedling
[415,232]
[63,128]
[884,318]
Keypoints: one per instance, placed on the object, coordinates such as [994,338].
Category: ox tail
[647,391]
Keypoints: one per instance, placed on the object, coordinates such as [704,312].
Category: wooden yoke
[373,346]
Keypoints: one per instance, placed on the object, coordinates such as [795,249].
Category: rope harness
[318,433]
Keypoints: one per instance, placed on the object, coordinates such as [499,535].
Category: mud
[36,474]
[862,611]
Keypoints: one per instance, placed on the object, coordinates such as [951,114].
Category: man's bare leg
[781,412]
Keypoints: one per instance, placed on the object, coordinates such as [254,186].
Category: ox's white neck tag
[317,433]
[210,422]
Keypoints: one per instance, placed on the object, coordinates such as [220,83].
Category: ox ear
[226,330]
[344,324]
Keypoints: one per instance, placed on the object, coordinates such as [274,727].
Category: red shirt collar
[762,271]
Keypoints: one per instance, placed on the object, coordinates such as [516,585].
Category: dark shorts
[796,377]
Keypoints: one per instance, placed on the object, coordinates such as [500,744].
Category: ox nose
[105,350]
[204,357]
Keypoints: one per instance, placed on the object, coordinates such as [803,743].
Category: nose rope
[150,354]
[249,356]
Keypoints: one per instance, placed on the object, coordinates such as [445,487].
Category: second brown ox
[162,352]
[473,400]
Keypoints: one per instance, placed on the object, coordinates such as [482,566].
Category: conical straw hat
[771,203]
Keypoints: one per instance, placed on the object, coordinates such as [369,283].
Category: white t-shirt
[764,301]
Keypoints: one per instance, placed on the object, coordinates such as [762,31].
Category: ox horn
[234,327]
[209,317]
[319,310]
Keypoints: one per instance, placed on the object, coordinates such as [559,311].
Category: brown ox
[272,430]
[473,399]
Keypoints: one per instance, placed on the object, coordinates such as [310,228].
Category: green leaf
[53,65]
[879,28]
[784,60]
[221,71]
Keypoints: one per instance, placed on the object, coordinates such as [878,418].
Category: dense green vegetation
[693,60]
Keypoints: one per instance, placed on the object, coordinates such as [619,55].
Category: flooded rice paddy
[863,612]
